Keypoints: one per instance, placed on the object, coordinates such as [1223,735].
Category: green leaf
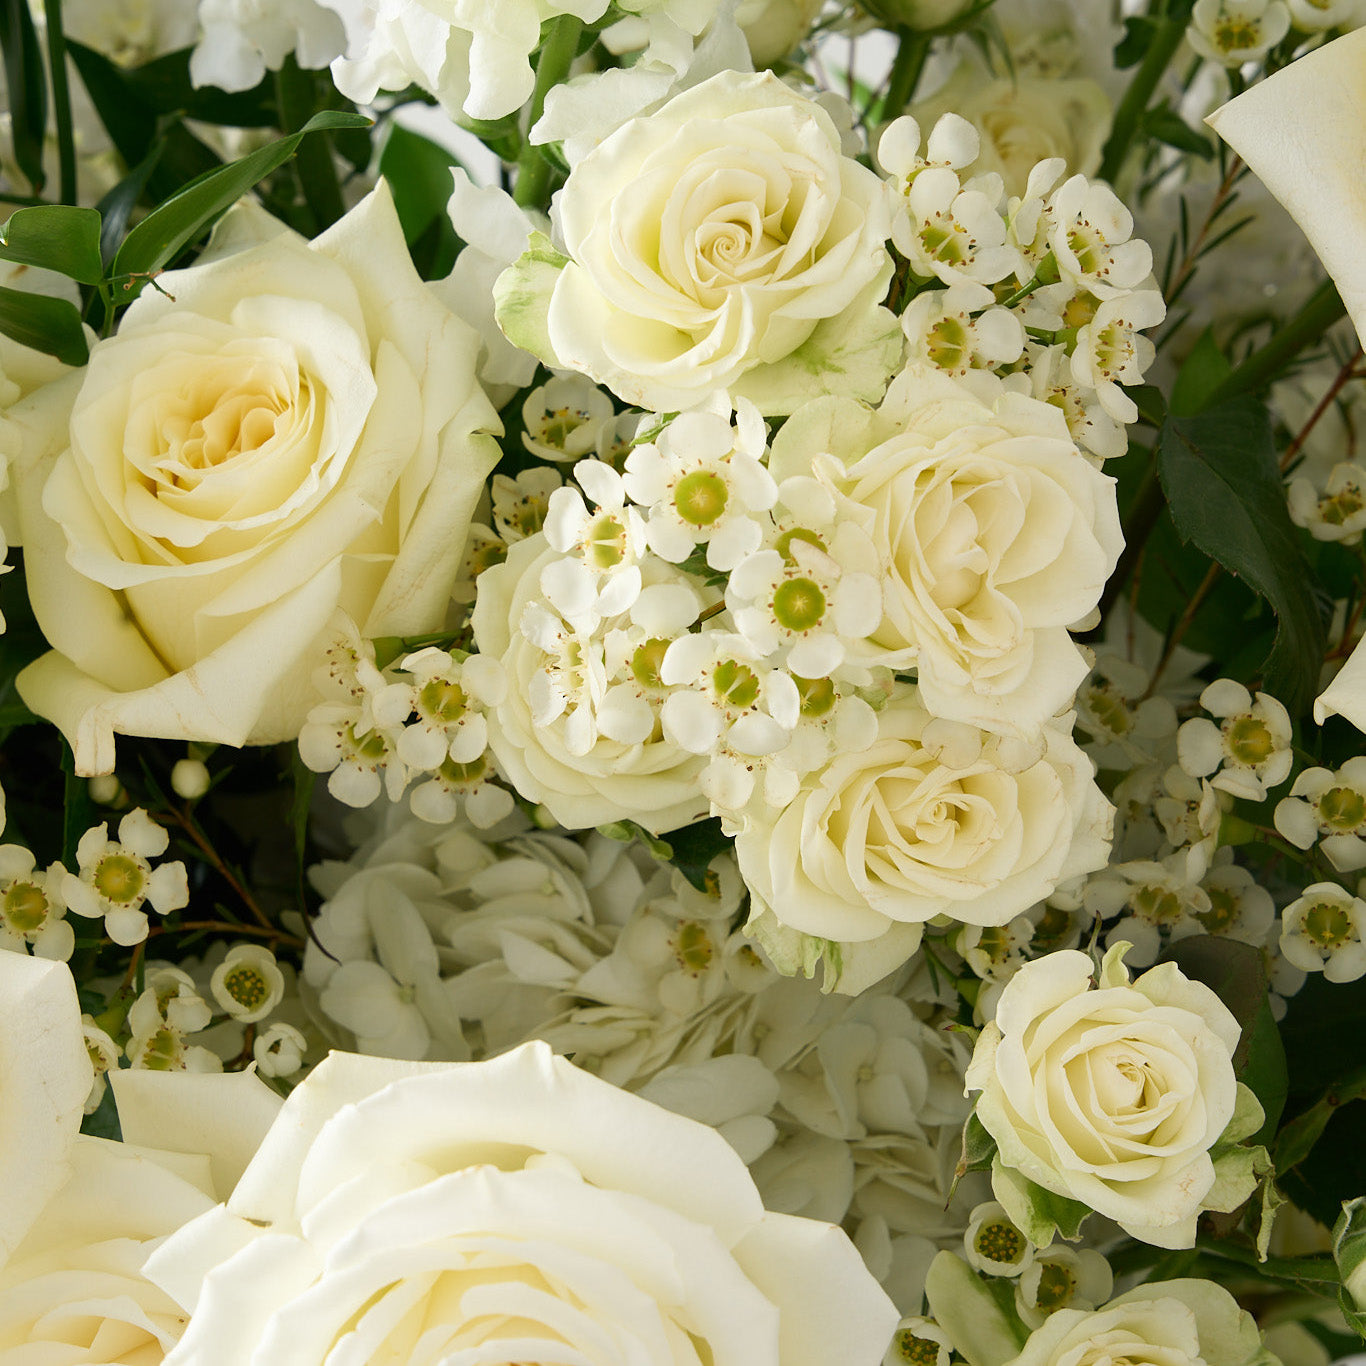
[26,83]
[1224,490]
[419,173]
[979,1148]
[1204,369]
[1138,35]
[167,230]
[963,1306]
[693,849]
[1167,126]
[116,208]
[1298,1138]
[103,1121]
[1036,1212]
[52,326]
[55,237]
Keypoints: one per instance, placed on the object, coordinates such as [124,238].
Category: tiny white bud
[190,779]
[106,789]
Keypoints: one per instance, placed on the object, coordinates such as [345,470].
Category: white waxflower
[1322,931]
[1338,512]
[247,983]
[952,233]
[1050,378]
[243,39]
[1150,898]
[1313,16]
[811,605]
[942,330]
[359,756]
[1331,807]
[169,1008]
[953,144]
[993,1245]
[1249,750]
[565,418]
[520,505]
[1110,351]
[1091,234]
[995,952]
[279,1050]
[1127,725]
[1239,907]
[31,906]
[702,480]
[448,698]
[1190,811]
[116,878]
[190,779]
[1232,32]
[104,1056]
[1062,1277]
[468,787]
[919,1342]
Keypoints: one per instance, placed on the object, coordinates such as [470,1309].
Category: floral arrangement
[681,682]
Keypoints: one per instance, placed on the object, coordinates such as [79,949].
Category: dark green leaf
[1138,33]
[55,237]
[131,126]
[1203,369]
[78,811]
[1298,1138]
[694,847]
[168,229]
[978,1146]
[52,326]
[1224,490]
[116,208]
[1264,1069]
[419,173]
[26,84]
[1167,126]
[163,85]
[103,1122]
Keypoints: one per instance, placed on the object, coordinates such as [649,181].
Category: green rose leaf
[52,326]
[55,237]
[1224,490]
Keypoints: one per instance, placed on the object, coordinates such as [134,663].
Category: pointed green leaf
[52,326]
[26,83]
[167,230]
[969,1313]
[55,237]
[1224,490]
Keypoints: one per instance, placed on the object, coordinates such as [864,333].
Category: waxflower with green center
[1150,897]
[1232,32]
[918,1342]
[993,1245]
[1091,234]
[1338,512]
[1062,1277]
[169,1009]
[247,983]
[448,698]
[703,482]
[31,906]
[117,880]
[1328,806]
[1248,751]
[1322,931]
[957,330]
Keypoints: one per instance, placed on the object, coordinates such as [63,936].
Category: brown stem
[205,847]
[1184,623]
[1187,266]
[1348,371]
[265,932]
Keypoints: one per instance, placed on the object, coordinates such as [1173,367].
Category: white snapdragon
[243,39]
[116,878]
[32,909]
[1324,930]
[702,481]
[1232,32]
[1248,751]
[1329,807]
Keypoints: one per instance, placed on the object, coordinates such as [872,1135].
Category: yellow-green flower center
[915,1351]
[798,605]
[1249,740]
[999,1242]
[737,685]
[700,498]
[783,545]
[818,696]
[24,907]
[1057,1285]
[1328,926]
[605,544]
[119,879]
[1222,913]
[246,986]
[442,700]
[693,947]
[1342,808]
[648,661]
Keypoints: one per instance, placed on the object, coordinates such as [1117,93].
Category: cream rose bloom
[722,242]
[1112,1095]
[1303,132]
[513,1210]
[996,531]
[284,430]
[1164,1323]
[934,818]
[45,1077]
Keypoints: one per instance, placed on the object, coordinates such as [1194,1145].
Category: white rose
[513,1210]
[297,430]
[1025,120]
[706,243]
[996,531]
[651,781]
[1111,1095]
[45,1076]
[906,829]
[1165,1323]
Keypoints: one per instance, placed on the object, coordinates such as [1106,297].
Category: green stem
[1316,315]
[558,51]
[1134,105]
[61,99]
[296,99]
[1144,511]
[907,66]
